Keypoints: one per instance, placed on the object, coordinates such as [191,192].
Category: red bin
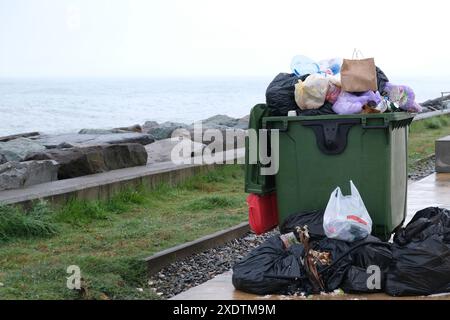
[262,212]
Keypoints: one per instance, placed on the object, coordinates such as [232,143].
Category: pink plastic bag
[349,103]
[333,93]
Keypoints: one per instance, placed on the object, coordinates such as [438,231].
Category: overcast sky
[152,38]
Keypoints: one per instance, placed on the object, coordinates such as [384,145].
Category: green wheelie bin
[319,153]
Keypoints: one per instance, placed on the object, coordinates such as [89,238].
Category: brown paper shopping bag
[359,75]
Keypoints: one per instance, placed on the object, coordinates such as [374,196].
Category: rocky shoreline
[33,158]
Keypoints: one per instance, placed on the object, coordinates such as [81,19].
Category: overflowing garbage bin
[318,153]
[338,174]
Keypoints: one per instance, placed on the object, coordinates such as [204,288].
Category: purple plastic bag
[349,103]
[404,96]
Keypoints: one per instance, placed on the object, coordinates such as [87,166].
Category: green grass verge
[108,239]
[423,134]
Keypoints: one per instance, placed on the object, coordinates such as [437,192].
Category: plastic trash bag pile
[316,88]
[304,260]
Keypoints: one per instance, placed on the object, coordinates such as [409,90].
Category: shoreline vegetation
[109,239]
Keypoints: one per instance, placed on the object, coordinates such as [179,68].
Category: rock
[243,123]
[18,149]
[14,175]
[20,135]
[79,140]
[436,104]
[161,150]
[235,140]
[134,128]
[81,161]
[163,130]
[220,121]
[3,159]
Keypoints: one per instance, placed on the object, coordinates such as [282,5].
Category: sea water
[68,105]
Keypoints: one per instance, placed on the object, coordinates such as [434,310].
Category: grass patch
[109,239]
[422,136]
[17,224]
[211,202]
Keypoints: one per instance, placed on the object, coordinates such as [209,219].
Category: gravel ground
[199,268]
[422,169]
[193,271]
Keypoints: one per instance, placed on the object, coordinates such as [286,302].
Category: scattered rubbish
[289,239]
[417,263]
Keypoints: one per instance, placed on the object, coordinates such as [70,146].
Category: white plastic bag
[311,93]
[346,218]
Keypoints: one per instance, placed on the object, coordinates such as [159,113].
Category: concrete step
[443,154]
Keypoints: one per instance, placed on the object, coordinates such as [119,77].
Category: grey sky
[216,37]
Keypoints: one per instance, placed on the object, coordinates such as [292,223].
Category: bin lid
[387,117]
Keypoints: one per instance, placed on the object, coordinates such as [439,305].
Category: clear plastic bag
[346,217]
[311,93]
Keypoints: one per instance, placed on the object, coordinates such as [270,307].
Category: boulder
[161,150]
[436,104]
[18,149]
[81,161]
[14,175]
[243,123]
[163,130]
[20,135]
[235,139]
[79,140]
[220,122]
[134,128]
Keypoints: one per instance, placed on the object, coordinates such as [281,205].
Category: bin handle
[284,127]
[365,126]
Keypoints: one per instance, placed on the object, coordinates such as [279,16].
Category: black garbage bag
[382,79]
[333,275]
[421,255]
[269,269]
[280,94]
[324,110]
[313,219]
[425,222]
[365,260]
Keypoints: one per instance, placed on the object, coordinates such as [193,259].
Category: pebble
[422,169]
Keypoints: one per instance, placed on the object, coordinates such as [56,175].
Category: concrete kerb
[103,186]
[163,258]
